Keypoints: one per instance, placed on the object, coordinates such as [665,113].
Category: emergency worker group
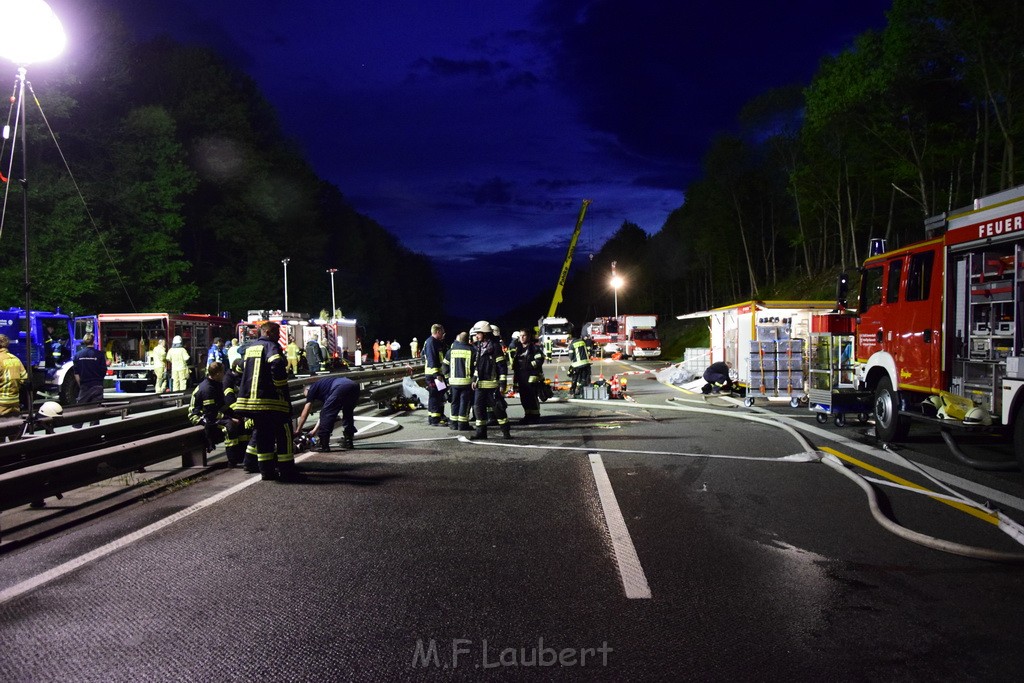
[246,400]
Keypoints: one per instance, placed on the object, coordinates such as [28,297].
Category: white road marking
[60,570]
[632,574]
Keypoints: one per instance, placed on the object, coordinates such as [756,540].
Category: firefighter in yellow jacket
[12,376]
[292,353]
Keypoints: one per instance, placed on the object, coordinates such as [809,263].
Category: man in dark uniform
[459,364]
[433,353]
[717,378]
[491,380]
[527,366]
[90,368]
[206,407]
[263,396]
[313,356]
[338,394]
[238,429]
[579,368]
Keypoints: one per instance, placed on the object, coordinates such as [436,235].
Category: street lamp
[285,262]
[30,32]
[616,283]
[334,308]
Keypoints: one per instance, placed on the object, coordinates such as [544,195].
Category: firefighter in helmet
[490,380]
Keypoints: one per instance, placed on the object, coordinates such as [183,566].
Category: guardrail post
[194,457]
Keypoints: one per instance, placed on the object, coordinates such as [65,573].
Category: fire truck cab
[941,323]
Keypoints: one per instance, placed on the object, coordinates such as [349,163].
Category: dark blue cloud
[467,127]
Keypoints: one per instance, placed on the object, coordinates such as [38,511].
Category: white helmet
[977,416]
[483,326]
[931,405]
[495,331]
[177,339]
[50,409]
[516,334]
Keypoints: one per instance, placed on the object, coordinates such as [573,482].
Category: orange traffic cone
[613,389]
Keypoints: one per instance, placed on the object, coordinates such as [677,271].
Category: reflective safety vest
[264,385]
[12,376]
[491,364]
[432,356]
[528,362]
[580,354]
[207,401]
[458,364]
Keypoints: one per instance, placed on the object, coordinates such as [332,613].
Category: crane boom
[557,298]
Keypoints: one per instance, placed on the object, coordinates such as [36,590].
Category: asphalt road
[652,539]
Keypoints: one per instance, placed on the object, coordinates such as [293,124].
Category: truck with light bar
[940,324]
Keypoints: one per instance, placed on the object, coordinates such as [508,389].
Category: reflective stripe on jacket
[264,385]
[458,364]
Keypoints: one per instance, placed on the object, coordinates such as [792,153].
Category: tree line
[910,121]
[193,193]
[185,195]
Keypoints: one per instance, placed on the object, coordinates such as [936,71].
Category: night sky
[473,129]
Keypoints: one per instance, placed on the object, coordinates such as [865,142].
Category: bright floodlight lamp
[29,32]
[617,282]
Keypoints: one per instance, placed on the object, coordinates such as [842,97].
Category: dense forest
[908,122]
[193,194]
[185,195]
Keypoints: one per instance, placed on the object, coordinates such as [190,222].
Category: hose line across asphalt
[811,454]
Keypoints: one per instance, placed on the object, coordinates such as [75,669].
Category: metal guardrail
[43,465]
[46,479]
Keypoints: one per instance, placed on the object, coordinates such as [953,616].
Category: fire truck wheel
[1018,436]
[889,424]
[68,390]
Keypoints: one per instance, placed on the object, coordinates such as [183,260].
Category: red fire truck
[941,324]
[127,339]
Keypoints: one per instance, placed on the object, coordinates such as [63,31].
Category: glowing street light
[29,32]
[334,308]
[285,262]
[616,282]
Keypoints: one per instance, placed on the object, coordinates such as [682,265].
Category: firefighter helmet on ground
[50,409]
